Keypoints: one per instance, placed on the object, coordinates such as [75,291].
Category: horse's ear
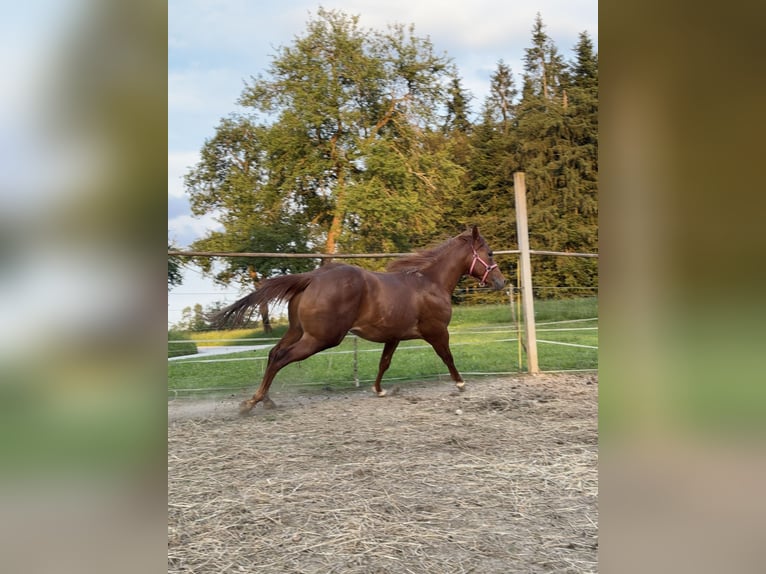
[475,233]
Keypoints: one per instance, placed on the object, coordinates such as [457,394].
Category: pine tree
[558,151]
[502,94]
[489,198]
[458,112]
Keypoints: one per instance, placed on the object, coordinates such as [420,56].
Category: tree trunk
[340,195]
[263,309]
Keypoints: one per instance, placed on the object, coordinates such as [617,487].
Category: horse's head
[483,266]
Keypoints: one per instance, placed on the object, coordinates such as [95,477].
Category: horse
[410,300]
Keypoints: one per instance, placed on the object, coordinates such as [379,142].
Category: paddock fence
[569,341]
[566,331]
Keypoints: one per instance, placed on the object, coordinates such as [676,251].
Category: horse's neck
[446,271]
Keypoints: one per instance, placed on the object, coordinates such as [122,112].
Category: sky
[216,46]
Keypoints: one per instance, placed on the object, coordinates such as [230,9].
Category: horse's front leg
[440,342]
[385,362]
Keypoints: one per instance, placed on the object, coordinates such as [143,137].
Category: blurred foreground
[682,396]
[82,301]
[82,186]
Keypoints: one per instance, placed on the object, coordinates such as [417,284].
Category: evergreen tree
[500,105]
[458,112]
[557,151]
[551,134]
[489,198]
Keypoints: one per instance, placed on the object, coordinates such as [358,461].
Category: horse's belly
[382,333]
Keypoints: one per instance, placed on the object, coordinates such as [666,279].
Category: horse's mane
[422,259]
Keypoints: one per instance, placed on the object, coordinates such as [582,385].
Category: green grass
[483,341]
[180,344]
[566,309]
[545,310]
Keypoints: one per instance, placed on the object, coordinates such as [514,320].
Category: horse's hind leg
[385,362]
[291,337]
[298,350]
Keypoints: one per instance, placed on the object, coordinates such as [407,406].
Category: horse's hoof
[380,393]
[460,386]
[245,407]
[269,404]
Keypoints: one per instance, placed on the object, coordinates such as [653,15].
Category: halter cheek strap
[487,267]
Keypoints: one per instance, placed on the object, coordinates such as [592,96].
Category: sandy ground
[500,478]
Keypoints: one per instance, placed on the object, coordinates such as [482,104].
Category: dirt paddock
[500,478]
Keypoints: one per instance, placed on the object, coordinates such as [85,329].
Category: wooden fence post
[525,269]
[356,360]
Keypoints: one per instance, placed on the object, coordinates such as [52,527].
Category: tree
[500,106]
[175,276]
[336,147]
[558,151]
[234,181]
[192,319]
[361,140]
[550,133]
[489,200]
[457,119]
[543,66]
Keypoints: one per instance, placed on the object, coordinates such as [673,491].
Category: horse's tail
[282,288]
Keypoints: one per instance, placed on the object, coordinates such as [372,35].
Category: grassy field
[180,344]
[483,341]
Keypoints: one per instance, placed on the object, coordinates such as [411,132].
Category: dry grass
[501,478]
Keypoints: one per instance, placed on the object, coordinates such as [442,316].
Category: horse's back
[337,279]
[331,300]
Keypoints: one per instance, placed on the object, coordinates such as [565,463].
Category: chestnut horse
[412,300]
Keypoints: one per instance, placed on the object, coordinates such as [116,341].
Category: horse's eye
[490,253]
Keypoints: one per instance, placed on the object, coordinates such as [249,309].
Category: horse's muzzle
[496,283]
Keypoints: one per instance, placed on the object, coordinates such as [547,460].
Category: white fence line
[503,329]
[194,358]
[567,344]
[568,321]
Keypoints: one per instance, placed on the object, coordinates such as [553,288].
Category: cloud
[233,25]
[179,163]
[184,229]
[197,100]
[196,89]
[177,206]
[475,34]
[459,26]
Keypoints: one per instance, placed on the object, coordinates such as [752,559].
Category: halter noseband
[487,266]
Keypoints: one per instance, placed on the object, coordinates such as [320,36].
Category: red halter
[486,265]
